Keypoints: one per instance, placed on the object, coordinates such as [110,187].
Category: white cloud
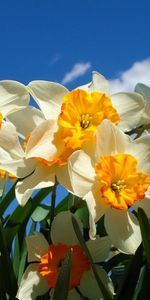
[79,69]
[55,58]
[139,72]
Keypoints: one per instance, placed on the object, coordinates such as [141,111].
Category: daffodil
[35,172]
[144,90]
[114,180]
[44,158]
[67,121]
[12,155]
[46,260]
[13,97]
[80,111]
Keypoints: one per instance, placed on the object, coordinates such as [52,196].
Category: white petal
[32,284]
[62,229]
[63,177]
[145,92]
[98,83]
[4,155]
[20,168]
[41,178]
[89,287]
[96,207]
[9,140]
[145,203]
[48,95]
[140,148]
[99,248]
[109,140]
[13,96]
[26,120]
[37,246]
[40,143]
[123,229]
[81,172]
[128,106]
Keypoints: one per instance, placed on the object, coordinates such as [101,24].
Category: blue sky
[44,39]
[64,40]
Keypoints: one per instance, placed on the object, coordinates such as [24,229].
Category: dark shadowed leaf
[127,286]
[102,287]
[145,231]
[62,285]
[21,215]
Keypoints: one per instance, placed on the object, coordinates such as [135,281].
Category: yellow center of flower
[51,262]
[121,183]
[81,113]
[85,120]
[1,119]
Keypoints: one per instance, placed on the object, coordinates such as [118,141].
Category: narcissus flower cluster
[97,146]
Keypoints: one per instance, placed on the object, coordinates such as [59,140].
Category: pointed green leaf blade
[102,287]
[62,285]
[145,231]
[21,215]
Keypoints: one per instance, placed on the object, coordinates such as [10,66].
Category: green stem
[53,202]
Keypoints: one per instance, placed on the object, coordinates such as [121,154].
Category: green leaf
[53,204]
[101,285]
[7,199]
[40,213]
[8,280]
[145,284]
[64,204]
[139,284]
[16,256]
[62,284]
[115,260]
[21,215]
[83,214]
[127,287]
[145,232]
[23,257]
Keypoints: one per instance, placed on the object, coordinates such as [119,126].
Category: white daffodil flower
[114,178]
[13,97]
[144,90]
[44,159]
[80,111]
[89,104]
[45,261]
[12,155]
[50,142]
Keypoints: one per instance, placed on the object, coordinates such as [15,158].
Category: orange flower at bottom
[51,262]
